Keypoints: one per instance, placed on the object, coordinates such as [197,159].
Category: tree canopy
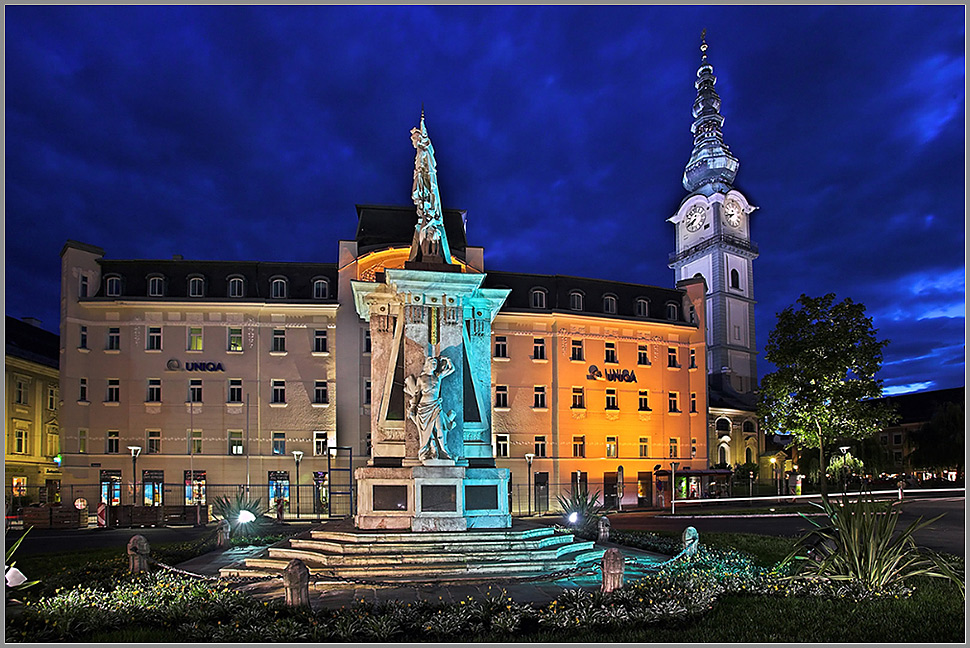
[827,357]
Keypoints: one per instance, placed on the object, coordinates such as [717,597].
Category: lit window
[320,341]
[321,289]
[113,442]
[82,392]
[112,286]
[644,401]
[320,395]
[538,298]
[672,405]
[612,447]
[609,304]
[644,446]
[693,402]
[236,287]
[235,342]
[643,354]
[672,448]
[236,442]
[154,394]
[540,446]
[538,349]
[673,312]
[156,286]
[539,397]
[82,441]
[195,390]
[154,445]
[278,288]
[196,287]
[195,442]
[279,340]
[501,347]
[576,350]
[501,396]
[235,390]
[692,362]
[576,300]
[114,339]
[319,443]
[579,446]
[643,307]
[501,445]
[195,338]
[83,341]
[672,357]
[279,391]
[610,355]
[579,398]
[153,341]
[611,400]
[114,391]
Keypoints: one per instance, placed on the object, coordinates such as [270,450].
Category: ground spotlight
[245,516]
[573,517]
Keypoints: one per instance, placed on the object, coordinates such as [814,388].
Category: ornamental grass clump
[581,511]
[246,517]
[858,545]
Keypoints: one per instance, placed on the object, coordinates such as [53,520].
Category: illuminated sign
[611,375]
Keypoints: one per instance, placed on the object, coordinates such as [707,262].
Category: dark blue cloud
[250,132]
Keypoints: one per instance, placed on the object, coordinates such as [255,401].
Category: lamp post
[774,474]
[619,489]
[297,457]
[843,450]
[529,457]
[750,484]
[135,451]
[673,484]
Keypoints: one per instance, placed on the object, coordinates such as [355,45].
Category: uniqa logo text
[615,375]
[204,366]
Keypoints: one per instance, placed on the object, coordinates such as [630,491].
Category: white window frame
[320,388]
[278,344]
[278,288]
[644,448]
[539,447]
[643,307]
[156,286]
[577,345]
[320,449]
[321,288]
[612,401]
[609,353]
[113,392]
[501,445]
[236,287]
[278,391]
[579,446]
[196,287]
[112,286]
[501,396]
[612,447]
[537,298]
[113,340]
[538,348]
[539,397]
[235,385]
[321,343]
[153,441]
[576,299]
[194,340]
[609,304]
[112,442]
[579,398]
[234,339]
[154,388]
[235,441]
[153,338]
[195,389]
[501,344]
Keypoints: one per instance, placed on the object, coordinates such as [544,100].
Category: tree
[827,357]
[939,443]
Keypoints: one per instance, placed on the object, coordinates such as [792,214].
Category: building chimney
[176,257]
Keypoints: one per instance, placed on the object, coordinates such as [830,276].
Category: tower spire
[430,244]
[711,166]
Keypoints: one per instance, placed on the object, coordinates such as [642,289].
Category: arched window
[576,300]
[196,287]
[735,279]
[609,304]
[237,287]
[278,288]
[538,298]
[747,426]
[673,312]
[747,455]
[112,286]
[722,455]
[643,307]
[321,289]
[156,286]
[723,425]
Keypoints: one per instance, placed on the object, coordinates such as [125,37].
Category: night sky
[249,133]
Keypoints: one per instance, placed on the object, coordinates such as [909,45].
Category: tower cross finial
[704,45]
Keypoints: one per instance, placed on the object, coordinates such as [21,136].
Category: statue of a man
[424,407]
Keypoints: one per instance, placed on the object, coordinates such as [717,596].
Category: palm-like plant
[245,516]
[859,543]
[581,510]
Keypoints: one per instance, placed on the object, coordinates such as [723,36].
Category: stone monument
[431,466]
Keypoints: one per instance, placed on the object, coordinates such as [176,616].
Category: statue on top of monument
[430,242]
[424,407]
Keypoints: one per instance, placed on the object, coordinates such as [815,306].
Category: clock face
[695,218]
[732,213]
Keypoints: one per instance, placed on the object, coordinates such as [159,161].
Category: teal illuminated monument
[431,466]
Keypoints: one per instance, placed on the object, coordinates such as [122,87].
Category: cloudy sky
[250,133]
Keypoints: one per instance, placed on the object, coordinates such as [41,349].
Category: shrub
[230,508]
[586,508]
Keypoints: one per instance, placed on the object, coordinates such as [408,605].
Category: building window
[114,391]
[538,298]
[156,286]
[82,391]
[502,396]
[235,342]
[320,341]
[278,288]
[643,307]
[367,392]
[538,349]
[501,445]
[672,448]
[735,279]
[83,342]
[195,390]
[236,287]
[540,446]
[611,399]
[279,443]
[154,394]
[195,338]
[693,402]
[610,356]
[366,340]
[691,314]
[53,439]
[576,350]
[539,397]
[748,456]
[82,441]
[236,442]
[579,446]
[154,444]
[279,340]
[320,395]
[673,312]
[235,390]
[723,425]
[20,395]
[692,362]
[643,354]
[196,287]
[644,401]
[20,441]
[112,286]
[579,398]
[113,442]
[609,304]
[576,300]
[114,339]
[612,447]
[52,397]
[153,341]
[501,346]
[195,441]
[321,289]
[279,391]
[644,446]
[319,443]
[672,405]
[82,289]
[747,427]
[897,438]
[672,357]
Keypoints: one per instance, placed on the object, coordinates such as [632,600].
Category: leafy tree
[842,467]
[940,442]
[827,357]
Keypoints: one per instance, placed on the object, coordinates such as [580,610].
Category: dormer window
[112,286]
[196,287]
[673,312]
[156,286]
[609,304]
[576,300]
[321,289]
[278,288]
[237,288]
[538,298]
[643,307]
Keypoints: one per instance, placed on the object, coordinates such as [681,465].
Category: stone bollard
[296,583]
[691,540]
[222,535]
[612,570]
[138,551]
[604,529]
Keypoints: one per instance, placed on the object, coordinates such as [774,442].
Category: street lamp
[529,457]
[297,457]
[619,489]
[842,471]
[774,474]
[673,482]
[135,451]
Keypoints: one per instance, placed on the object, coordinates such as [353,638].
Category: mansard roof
[387,226]
[32,343]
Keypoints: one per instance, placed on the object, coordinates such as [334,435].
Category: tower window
[538,298]
[735,279]
[576,300]
[609,304]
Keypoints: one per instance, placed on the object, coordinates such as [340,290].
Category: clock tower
[713,239]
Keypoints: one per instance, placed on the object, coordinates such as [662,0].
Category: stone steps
[333,546]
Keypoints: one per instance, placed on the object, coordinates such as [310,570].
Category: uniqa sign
[612,375]
[175,365]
